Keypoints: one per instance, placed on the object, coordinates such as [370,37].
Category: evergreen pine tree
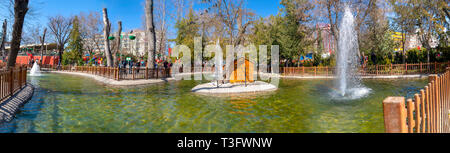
[74,54]
[188,29]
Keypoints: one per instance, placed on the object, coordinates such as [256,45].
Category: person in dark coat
[374,58]
[131,67]
[166,64]
[124,64]
[166,68]
[138,66]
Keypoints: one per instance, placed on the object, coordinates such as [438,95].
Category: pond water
[66,104]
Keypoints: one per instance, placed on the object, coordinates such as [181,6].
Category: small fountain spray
[35,70]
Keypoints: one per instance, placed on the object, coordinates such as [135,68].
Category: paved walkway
[12,105]
[153,81]
[211,88]
[115,82]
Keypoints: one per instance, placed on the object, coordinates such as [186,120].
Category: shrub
[413,56]
[444,54]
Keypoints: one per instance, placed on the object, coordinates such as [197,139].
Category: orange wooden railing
[372,70]
[427,112]
[145,73]
[117,73]
[308,71]
[11,81]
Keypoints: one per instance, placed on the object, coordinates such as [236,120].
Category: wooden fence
[11,81]
[145,73]
[308,71]
[392,69]
[118,73]
[427,112]
[123,73]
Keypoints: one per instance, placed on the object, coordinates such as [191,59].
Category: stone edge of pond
[232,89]
[12,105]
[154,81]
[114,82]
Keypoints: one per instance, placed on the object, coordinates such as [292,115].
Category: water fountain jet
[348,82]
[35,70]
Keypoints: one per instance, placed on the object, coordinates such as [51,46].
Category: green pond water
[66,103]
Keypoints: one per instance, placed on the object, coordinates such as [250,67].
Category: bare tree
[211,27]
[161,25]
[42,39]
[30,34]
[363,9]
[117,44]
[91,29]
[106,33]
[446,13]
[2,43]
[150,30]
[162,13]
[332,10]
[236,18]
[60,28]
[20,10]
[34,36]
[32,15]
[182,8]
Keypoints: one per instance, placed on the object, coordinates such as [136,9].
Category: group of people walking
[128,66]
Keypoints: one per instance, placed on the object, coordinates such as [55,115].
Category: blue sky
[130,12]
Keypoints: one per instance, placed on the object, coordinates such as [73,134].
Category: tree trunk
[403,45]
[20,10]
[2,43]
[446,13]
[333,25]
[425,41]
[162,34]
[42,45]
[428,46]
[151,33]
[106,32]
[119,33]
[60,53]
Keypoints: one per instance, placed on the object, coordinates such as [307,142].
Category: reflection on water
[242,106]
[64,103]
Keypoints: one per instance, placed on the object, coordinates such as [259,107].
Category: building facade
[328,43]
[137,46]
[412,41]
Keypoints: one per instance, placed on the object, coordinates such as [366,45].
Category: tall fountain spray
[348,80]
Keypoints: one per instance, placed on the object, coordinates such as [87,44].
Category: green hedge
[441,54]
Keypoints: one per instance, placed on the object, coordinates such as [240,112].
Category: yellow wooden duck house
[242,73]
